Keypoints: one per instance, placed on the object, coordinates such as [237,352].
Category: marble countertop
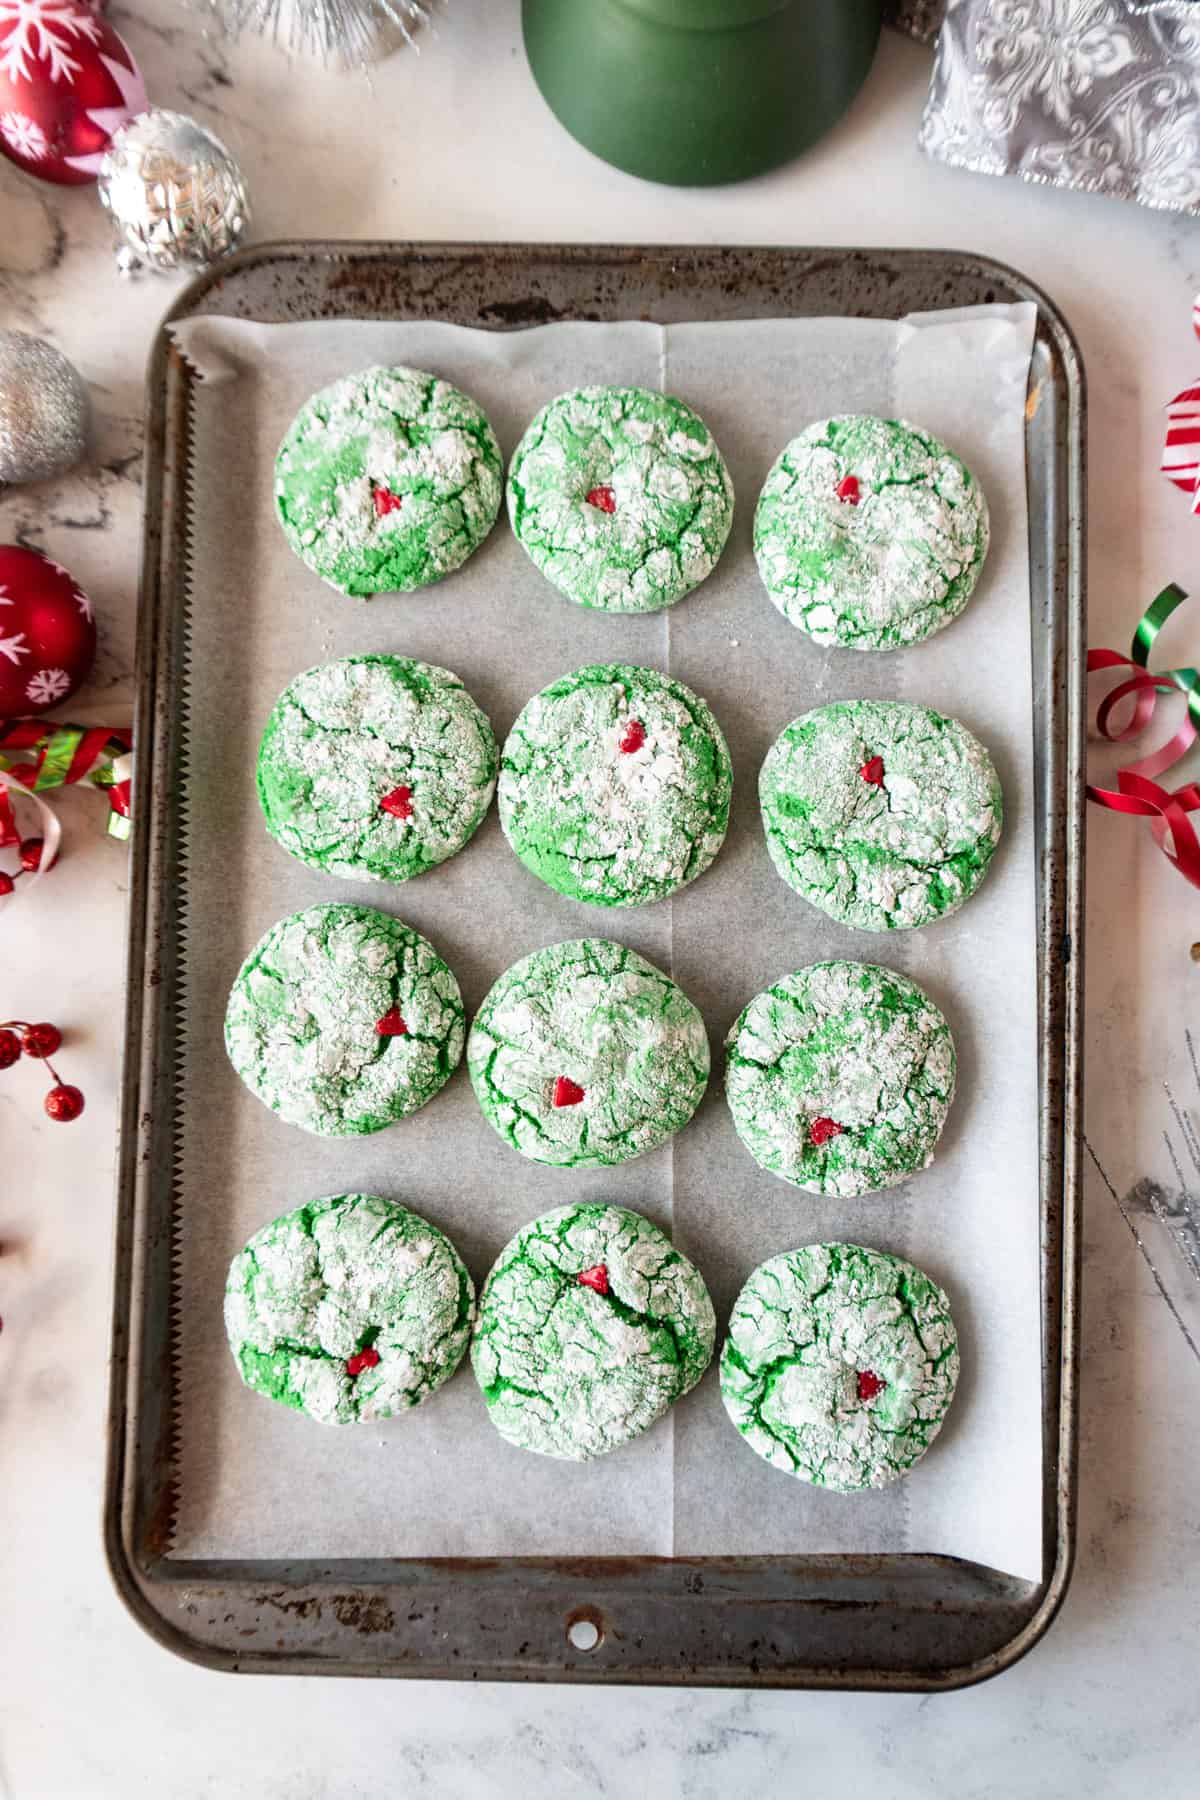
[456,144]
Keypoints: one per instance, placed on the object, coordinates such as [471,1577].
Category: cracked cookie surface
[350,1308]
[621,498]
[839,1078]
[870,533]
[387,480]
[375,767]
[584,1054]
[591,1325]
[343,1020]
[615,784]
[840,1364]
[883,814]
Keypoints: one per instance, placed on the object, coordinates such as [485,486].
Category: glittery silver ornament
[176,195]
[43,410]
[352,33]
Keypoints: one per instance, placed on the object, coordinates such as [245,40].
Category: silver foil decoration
[1102,95]
[176,195]
[44,410]
[351,33]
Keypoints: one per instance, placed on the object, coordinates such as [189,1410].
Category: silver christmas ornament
[43,410]
[176,195]
[352,33]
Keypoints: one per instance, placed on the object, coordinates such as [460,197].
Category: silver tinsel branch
[347,31]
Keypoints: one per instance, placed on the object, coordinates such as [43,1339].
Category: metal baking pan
[863,1622]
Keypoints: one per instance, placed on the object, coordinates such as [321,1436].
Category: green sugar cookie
[884,815]
[342,1020]
[350,1308]
[591,1325]
[839,1078]
[375,767]
[621,498]
[387,480]
[615,785]
[584,1054]
[870,533]
[840,1364]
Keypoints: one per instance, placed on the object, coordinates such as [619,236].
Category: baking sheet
[255,1480]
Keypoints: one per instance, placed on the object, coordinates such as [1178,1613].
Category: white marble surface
[457,144]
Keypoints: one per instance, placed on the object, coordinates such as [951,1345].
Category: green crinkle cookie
[839,1078]
[584,1054]
[342,1020]
[615,785]
[621,498]
[870,533]
[884,815]
[375,766]
[351,1308]
[591,1325]
[387,480]
[840,1364]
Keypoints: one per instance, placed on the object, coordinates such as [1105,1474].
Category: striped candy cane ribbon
[1181,451]
[1136,792]
[40,755]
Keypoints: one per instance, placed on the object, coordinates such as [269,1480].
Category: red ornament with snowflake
[67,83]
[47,633]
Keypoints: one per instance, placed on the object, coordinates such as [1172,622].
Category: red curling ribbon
[1137,793]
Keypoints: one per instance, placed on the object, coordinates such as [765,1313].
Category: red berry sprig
[41,1041]
[29,851]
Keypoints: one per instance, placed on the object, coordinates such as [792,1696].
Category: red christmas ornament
[10,1049]
[596,1278]
[47,634]
[64,1103]
[41,1040]
[7,884]
[67,83]
[567,1092]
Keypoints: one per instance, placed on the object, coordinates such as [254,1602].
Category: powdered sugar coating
[300,1027]
[615,784]
[314,1288]
[667,497]
[407,436]
[572,1372]
[803,1330]
[602,1018]
[854,1046]
[882,855]
[344,736]
[892,565]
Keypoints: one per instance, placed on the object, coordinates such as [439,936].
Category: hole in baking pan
[584,1630]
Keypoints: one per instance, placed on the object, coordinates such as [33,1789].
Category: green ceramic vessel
[695,92]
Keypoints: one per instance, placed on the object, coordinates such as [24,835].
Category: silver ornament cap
[176,195]
[43,410]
